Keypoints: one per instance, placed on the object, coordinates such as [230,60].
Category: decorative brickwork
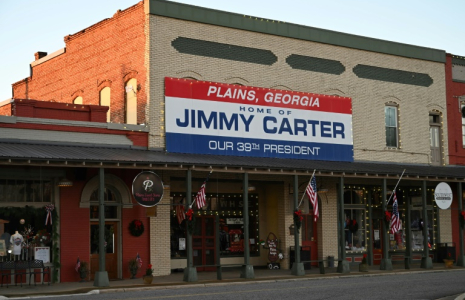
[224,51]
[315,64]
[392,75]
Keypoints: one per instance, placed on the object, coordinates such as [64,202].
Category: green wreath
[136,227]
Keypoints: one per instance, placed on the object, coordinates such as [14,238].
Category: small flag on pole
[180,214]
[313,197]
[200,200]
[78,265]
[139,261]
[395,220]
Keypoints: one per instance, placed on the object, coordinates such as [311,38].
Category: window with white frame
[392,132]
[463,126]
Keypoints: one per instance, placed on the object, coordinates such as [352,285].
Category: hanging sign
[443,195]
[147,189]
[226,119]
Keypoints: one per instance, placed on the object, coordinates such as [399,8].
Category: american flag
[313,197]
[78,265]
[139,261]
[180,214]
[395,220]
[200,200]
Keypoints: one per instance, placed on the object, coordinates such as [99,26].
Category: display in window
[231,225]
[354,230]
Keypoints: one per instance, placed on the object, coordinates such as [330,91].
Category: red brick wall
[5,110]
[74,231]
[103,54]
[454,117]
[75,228]
[61,111]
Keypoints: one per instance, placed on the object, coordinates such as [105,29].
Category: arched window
[77,100]
[105,100]
[131,101]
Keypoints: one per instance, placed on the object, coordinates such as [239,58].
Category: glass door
[203,243]
[377,238]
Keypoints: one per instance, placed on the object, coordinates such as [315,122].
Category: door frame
[118,247]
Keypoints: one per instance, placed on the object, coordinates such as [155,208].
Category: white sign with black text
[443,195]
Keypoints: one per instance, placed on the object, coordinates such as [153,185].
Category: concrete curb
[182,285]
[461,297]
[212,284]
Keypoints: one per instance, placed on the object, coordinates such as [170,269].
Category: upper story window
[131,101]
[463,124]
[78,100]
[105,100]
[392,128]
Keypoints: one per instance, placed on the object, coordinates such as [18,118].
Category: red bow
[189,214]
[298,213]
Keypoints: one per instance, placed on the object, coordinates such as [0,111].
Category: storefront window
[354,228]
[397,240]
[109,197]
[12,190]
[231,227]
[417,230]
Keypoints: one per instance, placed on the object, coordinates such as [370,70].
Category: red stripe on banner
[231,93]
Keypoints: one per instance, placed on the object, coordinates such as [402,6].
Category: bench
[22,268]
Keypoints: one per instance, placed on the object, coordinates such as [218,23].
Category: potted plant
[133,267]
[148,277]
[363,266]
[83,270]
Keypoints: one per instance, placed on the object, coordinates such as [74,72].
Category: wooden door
[377,238]
[111,247]
[309,237]
[203,243]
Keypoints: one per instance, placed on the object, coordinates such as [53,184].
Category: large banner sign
[226,119]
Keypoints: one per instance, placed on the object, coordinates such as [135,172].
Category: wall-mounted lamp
[64,182]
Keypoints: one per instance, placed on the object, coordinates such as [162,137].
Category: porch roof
[14,153]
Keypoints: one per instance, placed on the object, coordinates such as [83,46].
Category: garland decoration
[49,208]
[136,228]
[298,219]
[353,226]
[190,220]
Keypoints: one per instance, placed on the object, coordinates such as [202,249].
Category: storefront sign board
[232,221]
[42,253]
[443,195]
[147,189]
[226,119]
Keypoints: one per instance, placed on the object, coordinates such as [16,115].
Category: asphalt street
[431,285]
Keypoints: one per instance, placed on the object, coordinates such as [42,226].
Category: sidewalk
[175,280]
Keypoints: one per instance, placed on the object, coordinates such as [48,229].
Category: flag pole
[305,188]
[393,191]
[208,177]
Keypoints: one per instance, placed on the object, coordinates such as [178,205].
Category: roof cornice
[255,24]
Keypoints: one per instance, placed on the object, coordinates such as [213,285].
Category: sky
[29,26]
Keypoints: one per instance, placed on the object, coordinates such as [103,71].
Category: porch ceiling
[15,153]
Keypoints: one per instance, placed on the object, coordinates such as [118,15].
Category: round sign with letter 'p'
[147,189]
[443,195]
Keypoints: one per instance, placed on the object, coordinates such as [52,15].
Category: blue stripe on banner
[232,146]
